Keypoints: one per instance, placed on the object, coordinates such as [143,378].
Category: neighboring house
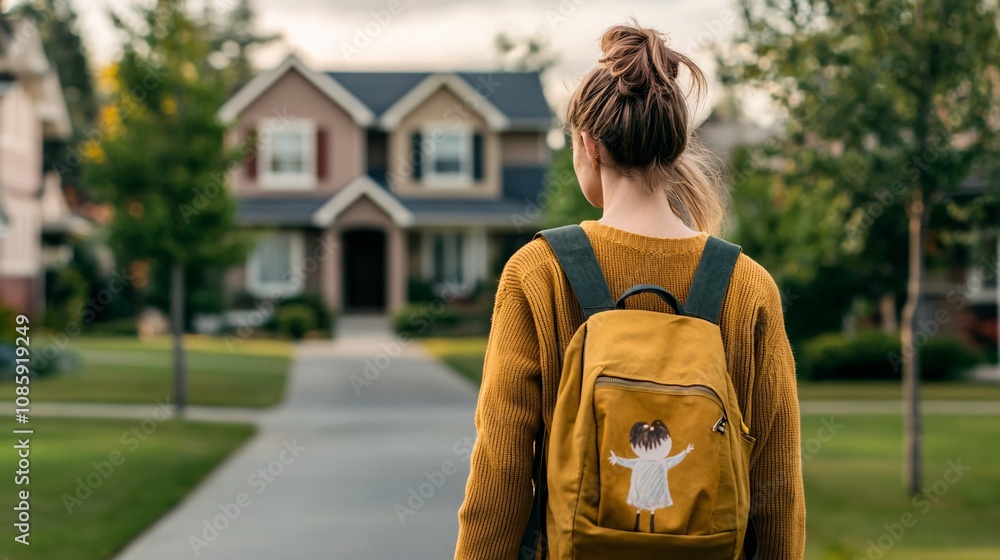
[32,109]
[365,183]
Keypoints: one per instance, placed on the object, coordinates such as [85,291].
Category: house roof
[509,100]
[279,211]
[22,59]
[518,205]
[263,81]
[517,95]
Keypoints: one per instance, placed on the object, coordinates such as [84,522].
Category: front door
[364,270]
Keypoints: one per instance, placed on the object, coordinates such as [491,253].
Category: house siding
[293,97]
[20,181]
[442,106]
[524,148]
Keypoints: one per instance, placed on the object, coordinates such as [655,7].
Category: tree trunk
[177,329]
[911,358]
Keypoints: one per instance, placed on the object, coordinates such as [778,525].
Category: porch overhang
[363,186]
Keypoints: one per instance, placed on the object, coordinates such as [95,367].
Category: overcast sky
[445,34]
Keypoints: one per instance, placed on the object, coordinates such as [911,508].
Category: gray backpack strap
[579,264]
[711,279]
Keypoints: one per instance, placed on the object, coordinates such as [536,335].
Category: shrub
[419,291]
[440,319]
[295,320]
[7,325]
[874,355]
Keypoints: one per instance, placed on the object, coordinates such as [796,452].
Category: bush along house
[363,186]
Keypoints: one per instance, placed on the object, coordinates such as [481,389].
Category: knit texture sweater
[535,315]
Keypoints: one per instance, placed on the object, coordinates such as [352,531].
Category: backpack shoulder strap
[578,262]
[711,279]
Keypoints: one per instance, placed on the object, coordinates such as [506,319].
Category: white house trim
[303,180]
[494,117]
[257,86]
[293,284]
[362,186]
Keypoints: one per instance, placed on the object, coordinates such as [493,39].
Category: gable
[249,94]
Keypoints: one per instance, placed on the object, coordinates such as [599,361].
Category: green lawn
[465,355]
[127,370]
[854,489]
[150,478]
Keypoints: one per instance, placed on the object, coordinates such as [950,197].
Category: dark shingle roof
[518,95]
[518,205]
[284,210]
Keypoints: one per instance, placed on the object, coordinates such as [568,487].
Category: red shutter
[322,153]
[250,163]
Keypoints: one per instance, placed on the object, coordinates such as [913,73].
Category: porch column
[396,268]
[330,269]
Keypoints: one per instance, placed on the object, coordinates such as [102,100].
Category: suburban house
[364,184]
[32,109]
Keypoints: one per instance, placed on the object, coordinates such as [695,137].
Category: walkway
[367,459]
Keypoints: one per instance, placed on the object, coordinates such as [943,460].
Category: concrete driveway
[366,459]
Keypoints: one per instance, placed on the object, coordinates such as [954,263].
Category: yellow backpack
[648,455]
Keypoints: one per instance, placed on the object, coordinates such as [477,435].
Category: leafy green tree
[894,101]
[162,162]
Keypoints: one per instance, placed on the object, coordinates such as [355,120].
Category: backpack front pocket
[663,450]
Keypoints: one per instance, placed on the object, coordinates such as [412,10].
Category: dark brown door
[364,270]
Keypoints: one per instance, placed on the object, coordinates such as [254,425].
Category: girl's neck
[629,206]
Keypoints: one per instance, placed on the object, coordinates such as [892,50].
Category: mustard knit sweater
[534,317]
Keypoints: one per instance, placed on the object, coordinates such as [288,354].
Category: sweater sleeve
[498,493]
[776,491]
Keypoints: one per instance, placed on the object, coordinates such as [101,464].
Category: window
[287,154]
[448,258]
[274,266]
[449,158]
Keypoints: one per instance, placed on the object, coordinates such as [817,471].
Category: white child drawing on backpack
[649,489]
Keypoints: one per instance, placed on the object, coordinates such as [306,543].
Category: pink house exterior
[32,109]
[361,184]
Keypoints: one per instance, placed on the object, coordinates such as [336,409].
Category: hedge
[875,355]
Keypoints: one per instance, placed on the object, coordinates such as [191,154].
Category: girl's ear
[591,147]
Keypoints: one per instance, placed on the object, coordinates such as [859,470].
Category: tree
[233,36]
[524,54]
[892,100]
[162,162]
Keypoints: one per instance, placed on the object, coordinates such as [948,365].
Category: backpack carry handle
[653,289]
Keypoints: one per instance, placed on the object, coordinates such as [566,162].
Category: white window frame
[268,179]
[290,286]
[433,179]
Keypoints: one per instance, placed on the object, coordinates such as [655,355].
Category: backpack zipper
[669,389]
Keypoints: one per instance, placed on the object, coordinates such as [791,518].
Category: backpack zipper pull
[720,426]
